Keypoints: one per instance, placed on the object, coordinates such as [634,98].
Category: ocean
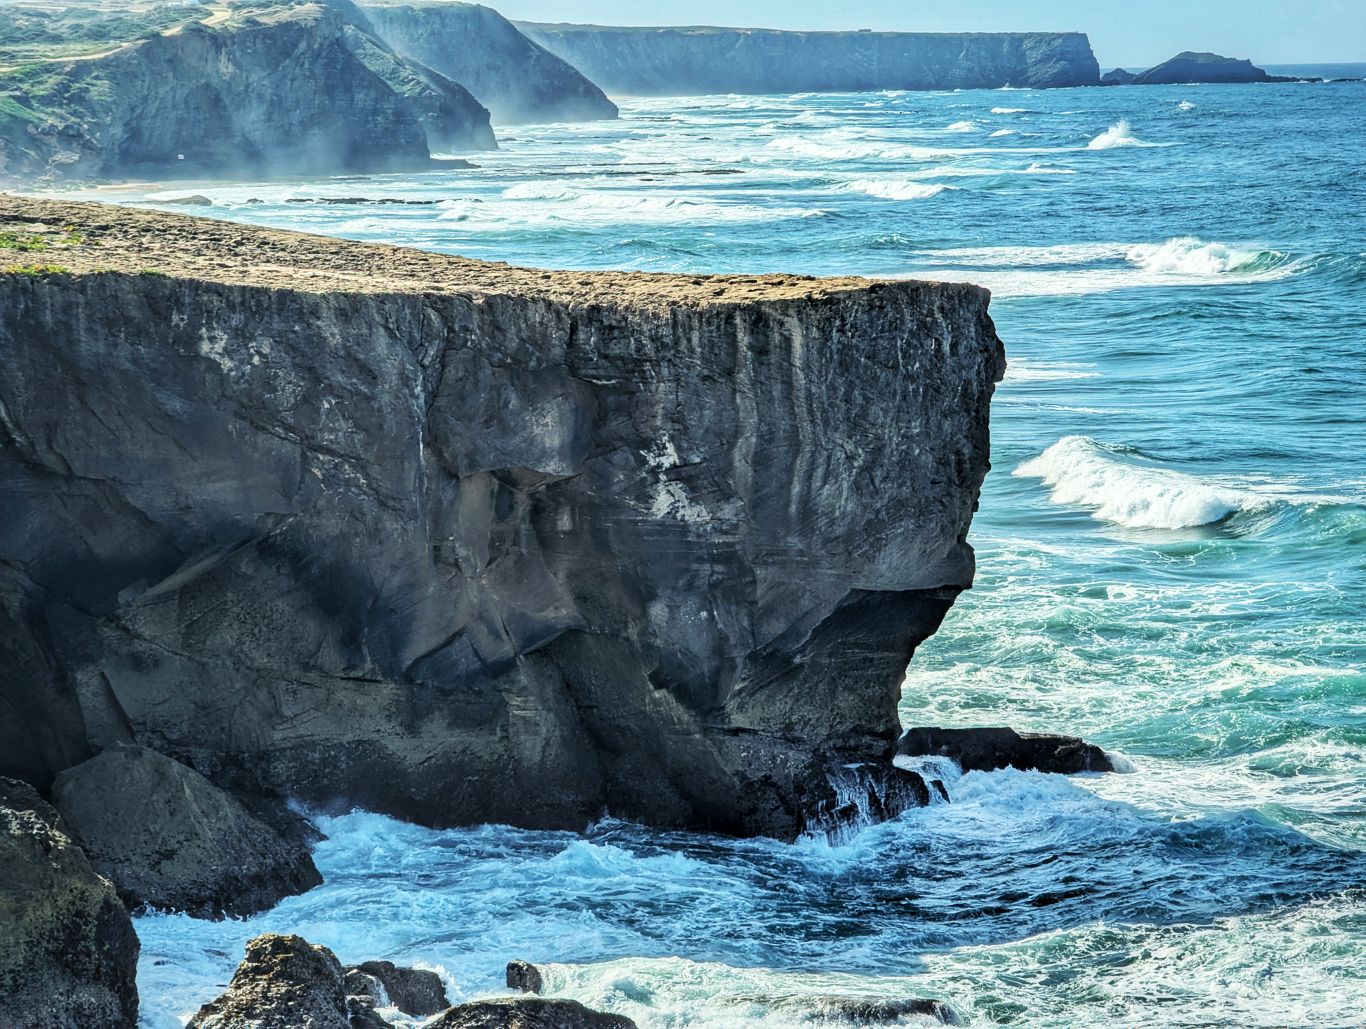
[1172,563]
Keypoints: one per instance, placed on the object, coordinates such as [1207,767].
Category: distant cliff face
[680,61]
[466,543]
[290,90]
[518,80]
[1189,67]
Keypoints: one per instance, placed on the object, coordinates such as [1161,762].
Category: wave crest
[1118,488]
[1119,135]
[1188,255]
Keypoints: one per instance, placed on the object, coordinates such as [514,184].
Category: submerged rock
[463,543]
[284,982]
[987,749]
[527,1013]
[171,840]
[875,1011]
[414,991]
[524,977]
[68,953]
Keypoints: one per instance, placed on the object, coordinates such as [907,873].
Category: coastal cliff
[461,542]
[690,60]
[297,89]
[516,79]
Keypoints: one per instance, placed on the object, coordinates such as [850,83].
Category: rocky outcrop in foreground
[683,61]
[987,749]
[464,543]
[293,89]
[516,79]
[285,982]
[68,954]
[171,840]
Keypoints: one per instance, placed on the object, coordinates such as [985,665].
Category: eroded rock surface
[414,991]
[68,954]
[681,61]
[516,79]
[465,543]
[171,840]
[987,749]
[528,1013]
[284,982]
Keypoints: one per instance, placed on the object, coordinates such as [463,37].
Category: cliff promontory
[462,542]
[263,90]
[682,61]
[516,79]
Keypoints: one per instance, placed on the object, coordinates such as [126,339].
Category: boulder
[527,1013]
[285,982]
[169,839]
[414,991]
[878,1011]
[68,953]
[524,977]
[986,749]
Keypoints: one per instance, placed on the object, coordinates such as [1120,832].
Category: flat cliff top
[41,236]
[566,26]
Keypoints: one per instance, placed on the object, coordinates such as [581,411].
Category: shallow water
[1172,562]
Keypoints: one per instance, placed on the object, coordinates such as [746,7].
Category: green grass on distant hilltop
[34,33]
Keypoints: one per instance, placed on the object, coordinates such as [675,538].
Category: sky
[1123,33]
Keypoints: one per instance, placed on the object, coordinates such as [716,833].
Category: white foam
[1185,105]
[895,189]
[1004,132]
[962,126]
[1119,487]
[1019,369]
[1187,255]
[1119,135]
[1009,110]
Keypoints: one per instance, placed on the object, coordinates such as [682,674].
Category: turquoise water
[1172,562]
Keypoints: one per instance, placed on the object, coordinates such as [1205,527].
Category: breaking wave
[1187,255]
[1119,135]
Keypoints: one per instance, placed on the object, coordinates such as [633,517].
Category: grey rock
[517,79]
[987,749]
[464,543]
[285,982]
[524,977]
[293,89]
[68,953]
[1117,77]
[834,1008]
[678,61]
[527,1013]
[414,991]
[1190,67]
[169,839]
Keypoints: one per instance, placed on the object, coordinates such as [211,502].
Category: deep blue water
[1172,562]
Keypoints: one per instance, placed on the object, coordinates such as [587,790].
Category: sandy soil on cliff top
[65,236]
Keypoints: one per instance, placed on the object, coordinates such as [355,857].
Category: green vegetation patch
[35,271]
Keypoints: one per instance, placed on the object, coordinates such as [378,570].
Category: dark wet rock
[170,839]
[1191,67]
[524,977]
[876,1011]
[464,543]
[197,200]
[68,953]
[527,1013]
[285,982]
[1117,77]
[517,79]
[690,60]
[414,991]
[986,749]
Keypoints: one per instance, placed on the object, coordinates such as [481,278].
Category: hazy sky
[1123,32]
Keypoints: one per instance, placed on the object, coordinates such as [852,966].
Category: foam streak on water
[1171,561]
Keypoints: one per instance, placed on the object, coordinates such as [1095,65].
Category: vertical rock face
[284,90]
[466,543]
[68,955]
[517,79]
[682,61]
